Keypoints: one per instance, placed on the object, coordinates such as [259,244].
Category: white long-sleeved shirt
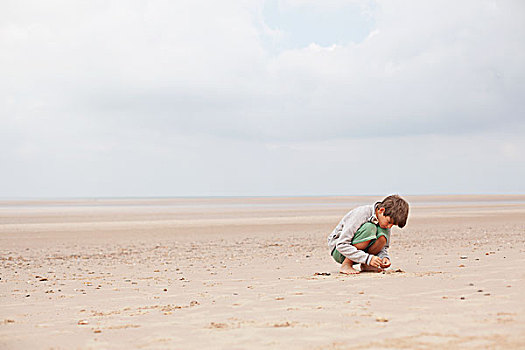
[341,237]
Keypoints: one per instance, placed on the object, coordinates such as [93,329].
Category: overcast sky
[276,97]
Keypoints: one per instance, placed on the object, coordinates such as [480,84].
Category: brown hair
[395,207]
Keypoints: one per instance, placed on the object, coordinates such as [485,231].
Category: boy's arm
[344,243]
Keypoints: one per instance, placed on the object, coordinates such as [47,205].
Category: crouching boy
[363,235]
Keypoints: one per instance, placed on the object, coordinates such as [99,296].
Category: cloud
[91,91]
[202,67]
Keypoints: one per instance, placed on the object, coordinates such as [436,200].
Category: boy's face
[384,221]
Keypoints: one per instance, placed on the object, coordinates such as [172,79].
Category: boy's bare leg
[347,267]
[377,246]
[374,250]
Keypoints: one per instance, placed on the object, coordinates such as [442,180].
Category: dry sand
[240,273]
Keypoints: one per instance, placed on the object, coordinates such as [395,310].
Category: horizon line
[66,198]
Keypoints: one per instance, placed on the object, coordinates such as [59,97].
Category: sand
[253,273]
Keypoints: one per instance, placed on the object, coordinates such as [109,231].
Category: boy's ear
[381,210]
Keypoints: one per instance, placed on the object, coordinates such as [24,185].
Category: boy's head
[393,210]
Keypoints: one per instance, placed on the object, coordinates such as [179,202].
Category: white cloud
[425,66]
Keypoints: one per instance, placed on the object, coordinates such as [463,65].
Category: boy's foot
[347,267]
[368,268]
[348,270]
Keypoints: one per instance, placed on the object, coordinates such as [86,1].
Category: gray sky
[276,97]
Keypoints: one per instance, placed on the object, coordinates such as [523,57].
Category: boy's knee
[364,235]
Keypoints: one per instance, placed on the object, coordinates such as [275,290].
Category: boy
[363,235]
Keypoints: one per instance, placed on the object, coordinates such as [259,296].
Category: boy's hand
[385,263]
[375,261]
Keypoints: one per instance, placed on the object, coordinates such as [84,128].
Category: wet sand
[239,273]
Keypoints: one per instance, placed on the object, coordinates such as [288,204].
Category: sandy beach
[252,273]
